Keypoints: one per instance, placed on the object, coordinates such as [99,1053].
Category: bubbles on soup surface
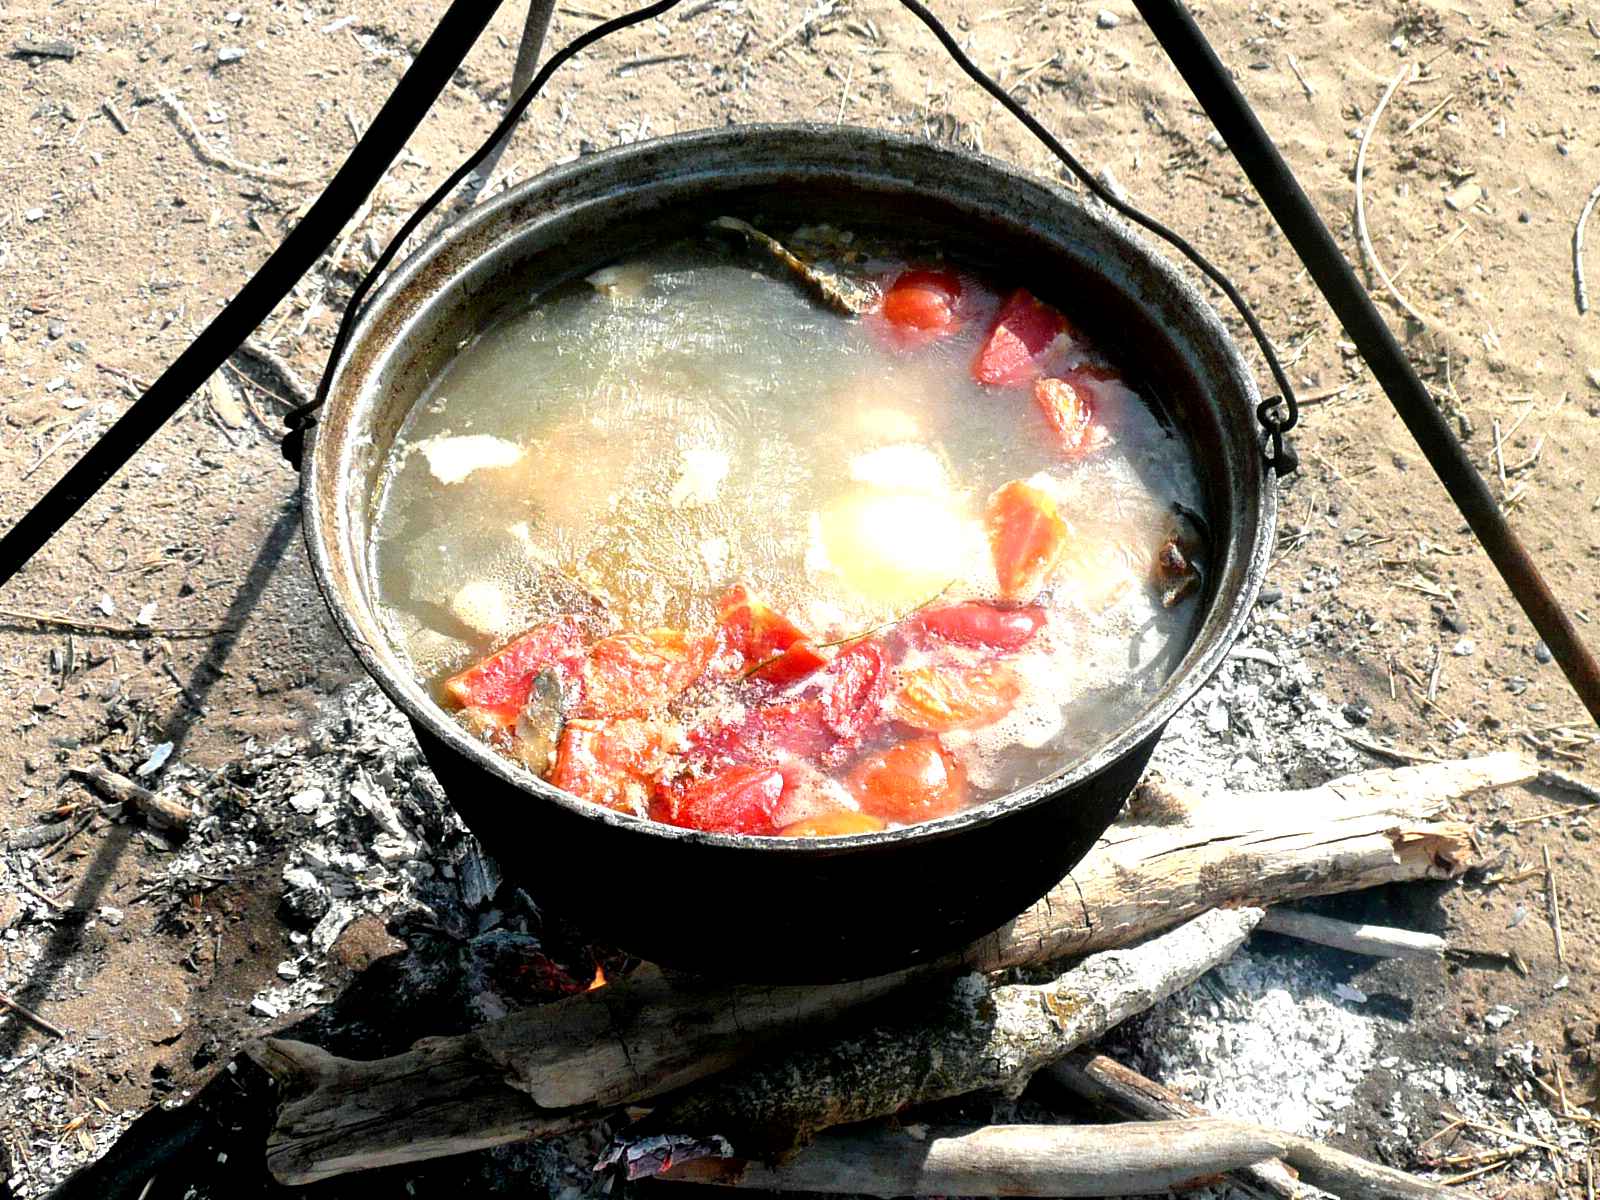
[630,448]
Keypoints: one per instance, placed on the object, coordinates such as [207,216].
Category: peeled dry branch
[1105,1082]
[158,811]
[1375,941]
[552,1068]
[1003,1160]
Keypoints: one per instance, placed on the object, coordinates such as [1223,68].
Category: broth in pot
[808,538]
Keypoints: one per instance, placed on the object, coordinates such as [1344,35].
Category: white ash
[1261,1038]
[1260,722]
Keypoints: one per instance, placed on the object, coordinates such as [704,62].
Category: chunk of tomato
[1024,330]
[914,781]
[939,699]
[771,733]
[630,674]
[735,800]
[974,623]
[800,660]
[1026,538]
[752,628]
[1069,407]
[497,687]
[608,762]
[852,698]
[921,305]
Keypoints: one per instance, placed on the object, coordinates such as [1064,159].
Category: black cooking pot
[786,909]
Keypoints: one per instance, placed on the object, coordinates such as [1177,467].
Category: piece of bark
[159,812]
[968,1036]
[1002,1160]
[635,1038]
[1375,941]
[1108,1083]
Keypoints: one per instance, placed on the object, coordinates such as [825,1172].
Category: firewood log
[1109,1084]
[1002,1160]
[548,1069]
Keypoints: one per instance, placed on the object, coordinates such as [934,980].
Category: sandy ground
[120,236]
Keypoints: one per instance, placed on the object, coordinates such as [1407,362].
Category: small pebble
[1453,623]
[1541,652]
[263,1008]
[111,916]
[77,346]
[1525,217]
[1217,718]
[33,214]
[1593,375]
[1107,19]
[1463,648]
[56,330]
[1270,594]
[230,54]
[1358,712]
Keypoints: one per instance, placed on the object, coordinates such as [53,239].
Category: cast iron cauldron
[792,910]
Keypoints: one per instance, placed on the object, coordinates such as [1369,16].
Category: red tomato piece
[922,303]
[498,686]
[736,800]
[774,732]
[630,674]
[1024,329]
[939,699]
[914,781]
[852,698]
[1026,537]
[977,624]
[752,628]
[608,762]
[794,664]
[839,823]
[1069,408]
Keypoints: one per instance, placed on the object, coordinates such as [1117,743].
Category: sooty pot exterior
[791,909]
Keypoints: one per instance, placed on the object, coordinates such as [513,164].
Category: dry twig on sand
[1361,207]
[208,153]
[1579,286]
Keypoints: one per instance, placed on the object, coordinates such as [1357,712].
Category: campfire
[1018,1066]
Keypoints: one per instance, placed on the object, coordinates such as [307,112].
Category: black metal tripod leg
[440,56]
[1211,84]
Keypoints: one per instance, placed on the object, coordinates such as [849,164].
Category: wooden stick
[1362,236]
[1554,906]
[967,1036]
[1108,1083]
[208,154]
[1376,941]
[160,812]
[1579,286]
[1003,1160]
[73,624]
[33,1018]
[550,1069]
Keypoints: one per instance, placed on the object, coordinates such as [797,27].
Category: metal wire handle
[1277,415]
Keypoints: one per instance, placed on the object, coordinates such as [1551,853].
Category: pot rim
[322,521]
